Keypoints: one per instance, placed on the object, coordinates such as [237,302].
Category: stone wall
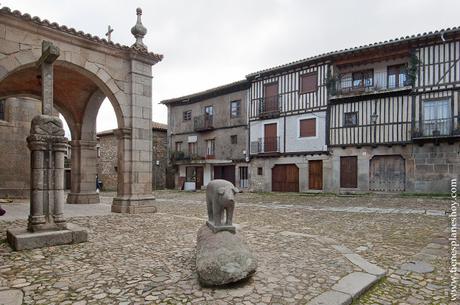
[15,156]
[160,158]
[107,160]
[435,166]
[428,167]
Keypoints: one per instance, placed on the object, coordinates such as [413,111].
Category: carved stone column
[47,144]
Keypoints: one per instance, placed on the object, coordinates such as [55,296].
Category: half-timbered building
[394,115]
[287,127]
[381,117]
[207,136]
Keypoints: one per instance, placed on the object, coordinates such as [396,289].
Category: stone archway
[88,70]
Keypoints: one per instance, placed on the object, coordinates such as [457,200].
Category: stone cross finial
[139,32]
[49,54]
[109,33]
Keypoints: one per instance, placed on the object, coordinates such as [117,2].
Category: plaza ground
[149,258]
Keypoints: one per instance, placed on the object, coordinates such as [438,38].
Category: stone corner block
[355,283]
[21,239]
[331,297]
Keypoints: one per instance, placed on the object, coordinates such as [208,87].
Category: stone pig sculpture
[220,198]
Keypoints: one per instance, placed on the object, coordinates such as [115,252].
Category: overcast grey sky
[207,43]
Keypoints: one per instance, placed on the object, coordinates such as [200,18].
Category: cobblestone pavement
[149,259]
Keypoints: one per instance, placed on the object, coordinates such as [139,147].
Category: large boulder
[222,258]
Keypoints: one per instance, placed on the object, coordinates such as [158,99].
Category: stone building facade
[107,157]
[208,136]
[159,155]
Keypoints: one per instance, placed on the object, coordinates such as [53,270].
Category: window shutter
[308,128]
[309,83]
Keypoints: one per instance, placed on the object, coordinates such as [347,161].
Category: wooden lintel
[372,56]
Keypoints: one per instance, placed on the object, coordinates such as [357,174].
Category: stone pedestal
[46,224]
[134,204]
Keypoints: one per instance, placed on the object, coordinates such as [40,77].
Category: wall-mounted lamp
[374,118]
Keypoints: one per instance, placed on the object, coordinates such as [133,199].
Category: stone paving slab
[11,297]
[354,284]
[365,265]
[331,298]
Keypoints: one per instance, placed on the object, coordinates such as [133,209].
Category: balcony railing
[203,122]
[436,128]
[380,81]
[269,106]
[180,156]
[266,145]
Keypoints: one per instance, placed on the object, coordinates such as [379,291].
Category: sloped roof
[159,126]
[224,89]
[155,125]
[62,28]
[329,55]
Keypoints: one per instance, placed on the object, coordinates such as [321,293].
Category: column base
[21,239]
[134,204]
[83,198]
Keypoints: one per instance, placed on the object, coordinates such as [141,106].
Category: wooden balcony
[203,122]
[345,85]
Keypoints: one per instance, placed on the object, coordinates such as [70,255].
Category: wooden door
[285,178]
[315,174]
[270,143]
[270,97]
[387,174]
[349,172]
[199,177]
[225,172]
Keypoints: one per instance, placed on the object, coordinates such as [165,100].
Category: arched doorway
[87,71]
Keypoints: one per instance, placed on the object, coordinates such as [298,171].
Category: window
[179,146]
[437,117]
[192,148]
[350,119]
[349,172]
[260,171]
[210,148]
[235,109]
[209,110]
[396,76]
[98,150]
[244,180]
[187,115]
[308,83]
[363,79]
[234,139]
[2,110]
[307,128]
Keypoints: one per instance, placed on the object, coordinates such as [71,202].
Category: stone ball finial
[139,32]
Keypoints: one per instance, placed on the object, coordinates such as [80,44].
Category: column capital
[123,133]
[86,144]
